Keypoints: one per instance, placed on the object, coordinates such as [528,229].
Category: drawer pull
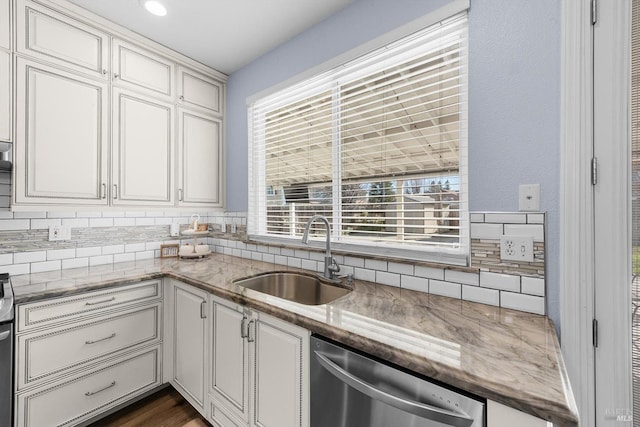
[101,339]
[91,393]
[100,302]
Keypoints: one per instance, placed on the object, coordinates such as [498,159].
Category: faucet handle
[333,268]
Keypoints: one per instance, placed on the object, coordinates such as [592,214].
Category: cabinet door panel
[84,343]
[189,343]
[200,159]
[280,398]
[57,38]
[5,96]
[230,359]
[61,136]
[140,69]
[142,150]
[197,90]
[5,24]
[71,401]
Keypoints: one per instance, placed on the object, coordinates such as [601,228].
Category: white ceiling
[223,34]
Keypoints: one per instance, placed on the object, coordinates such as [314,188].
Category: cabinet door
[5,24]
[59,39]
[5,96]
[199,91]
[281,374]
[143,150]
[502,416]
[190,343]
[61,137]
[138,69]
[230,359]
[200,159]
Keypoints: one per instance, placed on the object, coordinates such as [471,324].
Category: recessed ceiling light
[154,7]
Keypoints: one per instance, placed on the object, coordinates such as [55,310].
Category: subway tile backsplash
[103,238]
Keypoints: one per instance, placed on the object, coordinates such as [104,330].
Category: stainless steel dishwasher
[351,390]
[6,351]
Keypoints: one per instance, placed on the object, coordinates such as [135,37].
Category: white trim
[612,196]
[576,212]
[418,24]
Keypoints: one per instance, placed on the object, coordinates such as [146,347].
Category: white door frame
[604,235]
[576,210]
[612,201]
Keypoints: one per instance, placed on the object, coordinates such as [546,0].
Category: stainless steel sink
[297,287]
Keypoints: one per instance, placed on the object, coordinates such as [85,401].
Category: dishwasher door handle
[458,419]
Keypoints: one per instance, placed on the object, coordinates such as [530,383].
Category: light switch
[529,198]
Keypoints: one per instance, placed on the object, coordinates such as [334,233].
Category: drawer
[139,69]
[221,416]
[53,311]
[198,90]
[41,359]
[62,40]
[70,402]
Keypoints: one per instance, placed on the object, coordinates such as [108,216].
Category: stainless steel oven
[6,351]
[352,390]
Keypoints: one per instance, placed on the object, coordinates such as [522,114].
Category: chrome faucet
[331,267]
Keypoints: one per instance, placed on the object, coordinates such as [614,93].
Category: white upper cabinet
[5,24]
[59,39]
[142,150]
[200,159]
[139,69]
[61,156]
[5,96]
[199,91]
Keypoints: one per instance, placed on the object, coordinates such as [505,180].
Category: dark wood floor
[166,408]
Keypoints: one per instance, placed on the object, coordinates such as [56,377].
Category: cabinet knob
[181,97]
[116,75]
[104,72]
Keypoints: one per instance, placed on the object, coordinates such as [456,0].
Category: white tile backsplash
[495,288]
[414,283]
[447,289]
[529,303]
[533,286]
[481,295]
[462,277]
[55,254]
[429,272]
[390,279]
[23,257]
[502,282]
[535,230]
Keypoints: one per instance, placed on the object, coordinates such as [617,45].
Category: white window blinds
[377,145]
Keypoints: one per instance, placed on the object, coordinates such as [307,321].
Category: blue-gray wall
[514,99]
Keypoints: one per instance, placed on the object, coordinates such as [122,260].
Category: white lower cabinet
[104,349]
[503,416]
[68,402]
[259,369]
[189,337]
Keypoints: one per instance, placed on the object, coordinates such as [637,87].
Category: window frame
[441,255]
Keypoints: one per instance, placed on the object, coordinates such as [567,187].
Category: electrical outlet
[59,233]
[234,227]
[516,248]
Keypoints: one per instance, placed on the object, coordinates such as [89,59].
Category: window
[377,145]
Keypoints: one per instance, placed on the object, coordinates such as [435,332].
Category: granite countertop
[508,356]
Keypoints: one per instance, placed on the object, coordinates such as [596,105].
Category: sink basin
[301,288]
